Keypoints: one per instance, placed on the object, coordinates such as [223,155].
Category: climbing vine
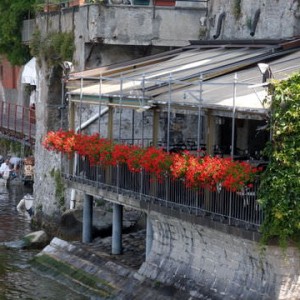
[54,48]
[237,10]
[280,186]
[59,188]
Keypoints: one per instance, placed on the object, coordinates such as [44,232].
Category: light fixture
[265,71]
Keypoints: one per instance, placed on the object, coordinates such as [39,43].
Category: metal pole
[232,141]
[80,107]
[143,103]
[62,102]
[233,116]
[199,116]
[100,108]
[169,113]
[120,109]
[132,126]
[120,129]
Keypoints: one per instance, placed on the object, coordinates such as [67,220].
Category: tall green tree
[12,13]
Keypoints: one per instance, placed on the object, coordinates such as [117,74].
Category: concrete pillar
[117,229]
[87,222]
[149,236]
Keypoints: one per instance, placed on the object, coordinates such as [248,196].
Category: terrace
[220,87]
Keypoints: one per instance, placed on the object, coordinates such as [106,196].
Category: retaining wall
[203,260]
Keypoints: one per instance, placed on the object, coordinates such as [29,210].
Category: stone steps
[94,275]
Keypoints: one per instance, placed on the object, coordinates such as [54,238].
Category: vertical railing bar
[8,119]
[16,108]
[232,136]
[199,127]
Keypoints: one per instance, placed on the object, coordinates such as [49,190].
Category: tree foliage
[280,187]
[12,14]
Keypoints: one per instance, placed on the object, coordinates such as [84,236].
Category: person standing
[5,169]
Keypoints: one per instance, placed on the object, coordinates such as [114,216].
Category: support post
[155,127]
[117,229]
[87,222]
[149,236]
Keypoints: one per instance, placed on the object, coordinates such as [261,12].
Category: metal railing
[17,122]
[233,208]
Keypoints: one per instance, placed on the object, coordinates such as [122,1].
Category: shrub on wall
[54,48]
[280,186]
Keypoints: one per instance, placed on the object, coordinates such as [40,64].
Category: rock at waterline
[33,240]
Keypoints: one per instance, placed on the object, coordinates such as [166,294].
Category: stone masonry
[203,260]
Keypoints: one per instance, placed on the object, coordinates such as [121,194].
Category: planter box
[164,2]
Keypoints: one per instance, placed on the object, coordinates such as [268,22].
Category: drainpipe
[83,126]
[255,21]
[219,25]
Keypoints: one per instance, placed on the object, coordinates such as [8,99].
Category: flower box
[164,2]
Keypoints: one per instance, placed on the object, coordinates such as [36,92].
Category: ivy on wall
[280,186]
[237,10]
[59,188]
[54,48]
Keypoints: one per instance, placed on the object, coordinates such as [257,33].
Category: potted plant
[51,6]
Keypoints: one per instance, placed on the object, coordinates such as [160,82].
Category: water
[17,279]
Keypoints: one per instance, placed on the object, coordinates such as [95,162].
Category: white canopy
[29,74]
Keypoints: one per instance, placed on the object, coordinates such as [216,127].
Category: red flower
[197,172]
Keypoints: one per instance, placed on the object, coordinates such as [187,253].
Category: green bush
[280,187]
[54,48]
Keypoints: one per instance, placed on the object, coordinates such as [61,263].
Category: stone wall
[156,27]
[47,163]
[207,261]
[278,19]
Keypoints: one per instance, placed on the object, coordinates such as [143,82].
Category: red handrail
[17,122]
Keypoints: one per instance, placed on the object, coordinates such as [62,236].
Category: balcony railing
[233,208]
[17,122]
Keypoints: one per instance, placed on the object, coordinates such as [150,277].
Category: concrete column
[87,222]
[117,229]
[149,236]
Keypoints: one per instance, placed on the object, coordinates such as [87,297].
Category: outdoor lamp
[265,71]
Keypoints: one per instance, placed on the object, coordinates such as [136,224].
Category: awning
[182,77]
[29,75]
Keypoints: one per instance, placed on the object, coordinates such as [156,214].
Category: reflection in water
[17,280]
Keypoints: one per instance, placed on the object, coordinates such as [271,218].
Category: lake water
[17,279]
